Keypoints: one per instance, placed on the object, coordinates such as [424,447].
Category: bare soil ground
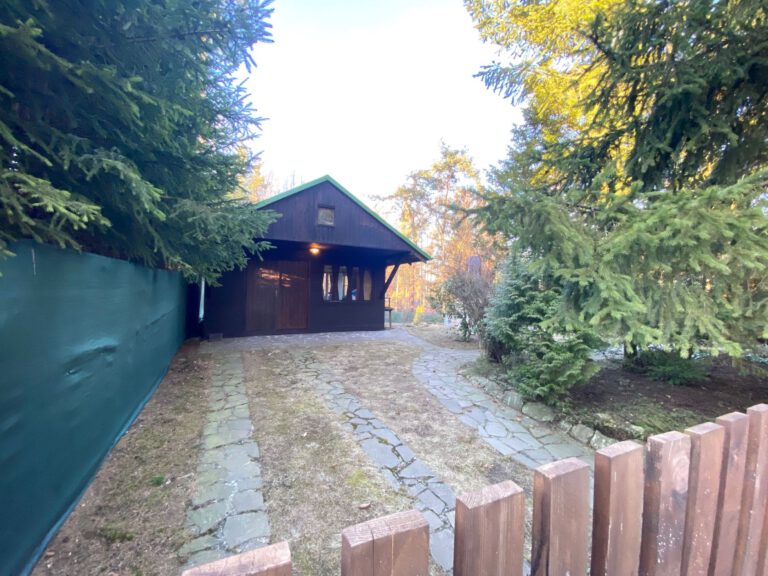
[627,397]
[130,522]
[317,480]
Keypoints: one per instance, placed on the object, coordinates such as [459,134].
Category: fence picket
[395,545]
[272,560]
[729,499]
[664,504]
[755,495]
[490,531]
[357,550]
[560,518]
[703,490]
[690,504]
[762,569]
[617,517]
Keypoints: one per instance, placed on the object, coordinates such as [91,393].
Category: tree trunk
[631,351]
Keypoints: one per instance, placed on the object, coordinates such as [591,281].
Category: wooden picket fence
[684,504]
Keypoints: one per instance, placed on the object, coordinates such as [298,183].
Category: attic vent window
[325,216]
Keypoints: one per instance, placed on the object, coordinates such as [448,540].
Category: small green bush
[543,358]
[114,534]
[668,366]
[551,368]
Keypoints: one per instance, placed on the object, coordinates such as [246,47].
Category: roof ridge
[327,178]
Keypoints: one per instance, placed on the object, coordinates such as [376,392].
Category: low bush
[543,358]
[668,366]
[464,296]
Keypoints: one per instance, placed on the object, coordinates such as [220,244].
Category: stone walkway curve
[506,430]
[397,462]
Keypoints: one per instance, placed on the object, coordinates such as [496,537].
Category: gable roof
[298,189]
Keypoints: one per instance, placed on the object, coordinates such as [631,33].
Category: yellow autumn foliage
[546,42]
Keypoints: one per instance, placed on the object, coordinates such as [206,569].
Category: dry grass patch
[380,376]
[317,480]
[443,336]
[131,519]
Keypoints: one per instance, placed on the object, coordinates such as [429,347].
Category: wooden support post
[560,518]
[703,490]
[755,496]
[664,504]
[617,521]
[388,281]
[396,545]
[272,560]
[490,526]
[729,498]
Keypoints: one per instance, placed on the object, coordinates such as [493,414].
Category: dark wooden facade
[326,272]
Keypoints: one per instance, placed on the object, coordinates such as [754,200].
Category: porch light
[314,250]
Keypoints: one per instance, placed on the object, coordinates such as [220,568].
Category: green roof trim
[269,201]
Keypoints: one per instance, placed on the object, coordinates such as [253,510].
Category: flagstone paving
[397,462]
[230,513]
[227,514]
[508,431]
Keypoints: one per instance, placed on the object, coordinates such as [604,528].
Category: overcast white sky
[364,90]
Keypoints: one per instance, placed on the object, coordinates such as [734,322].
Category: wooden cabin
[326,273]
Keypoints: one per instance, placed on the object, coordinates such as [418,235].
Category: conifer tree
[120,124]
[431,207]
[652,219]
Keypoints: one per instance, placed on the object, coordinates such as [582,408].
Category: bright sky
[364,90]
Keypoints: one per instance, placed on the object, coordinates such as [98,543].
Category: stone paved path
[528,441]
[397,462]
[228,513]
[505,429]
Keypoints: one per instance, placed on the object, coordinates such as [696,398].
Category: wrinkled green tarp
[84,341]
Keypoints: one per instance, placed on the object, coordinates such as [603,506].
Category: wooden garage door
[261,298]
[293,296]
[278,296]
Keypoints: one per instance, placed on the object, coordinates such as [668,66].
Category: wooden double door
[277,298]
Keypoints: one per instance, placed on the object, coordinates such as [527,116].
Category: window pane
[354,283]
[367,285]
[343,283]
[325,216]
[327,282]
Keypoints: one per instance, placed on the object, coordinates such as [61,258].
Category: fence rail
[685,504]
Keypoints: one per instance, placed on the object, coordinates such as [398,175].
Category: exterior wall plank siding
[283,291]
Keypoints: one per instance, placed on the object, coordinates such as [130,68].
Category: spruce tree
[121,123]
[653,219]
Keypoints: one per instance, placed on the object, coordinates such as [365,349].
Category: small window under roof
[326,216]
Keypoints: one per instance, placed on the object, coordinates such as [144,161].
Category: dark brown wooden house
[326,273]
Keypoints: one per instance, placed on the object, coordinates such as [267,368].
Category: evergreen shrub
[668,366]
[543,357]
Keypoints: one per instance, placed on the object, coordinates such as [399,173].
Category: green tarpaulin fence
[84,341]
